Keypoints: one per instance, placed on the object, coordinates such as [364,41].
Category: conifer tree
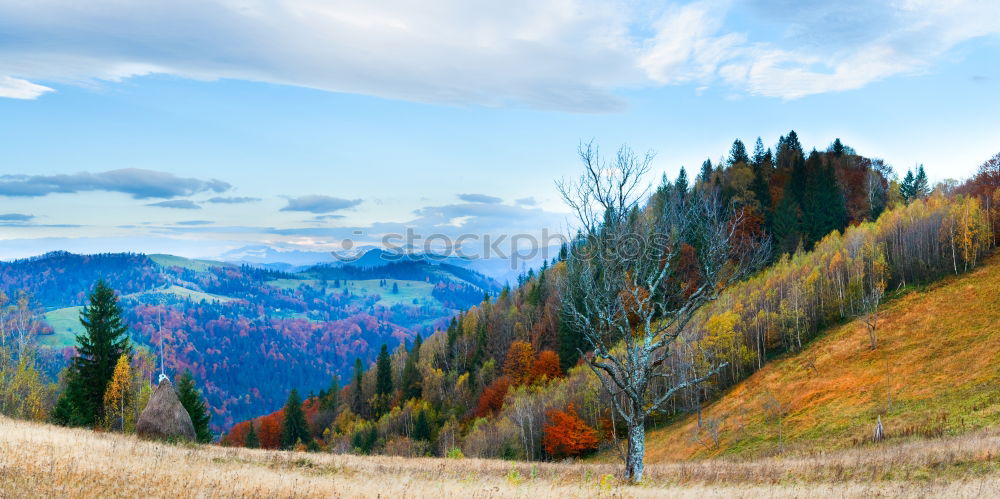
[192,401]
[837,148]
[383,383]
[383,373]
[103,342]
[411,376]
[331,399]
[357,395]
[706,172]
[921,186]
[294,428]
[421,427]
[681,184]
[786,226]
[738,153]
[907,187]
[759,156]
[252,440]
[570,342]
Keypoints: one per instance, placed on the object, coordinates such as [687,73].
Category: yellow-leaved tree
[117,396]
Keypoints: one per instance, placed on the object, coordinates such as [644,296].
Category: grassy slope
[38,460]
[187,263]
[65,322]
[939,353]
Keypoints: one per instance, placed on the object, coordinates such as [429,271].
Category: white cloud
[566,54]
[825,46]
[558,54]
[14,88]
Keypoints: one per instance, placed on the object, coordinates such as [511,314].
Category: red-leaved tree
[568,435]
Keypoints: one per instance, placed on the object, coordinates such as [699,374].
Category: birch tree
[624,290]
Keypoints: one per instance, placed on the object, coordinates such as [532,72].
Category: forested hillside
[934,373]
[245,333]
[505,379]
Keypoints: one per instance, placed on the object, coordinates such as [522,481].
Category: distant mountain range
[289,259]
[249,332]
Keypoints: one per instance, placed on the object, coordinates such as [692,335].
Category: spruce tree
[706,172]
[738,153]
[421,427]
[570,344]
[252,440]
[759,156]
[104,340]
[837,148]
[191,399]
[331,399]
[786,226]
[907,187]
[294,428]
[383,372]
[382,399]
[921,186]
[357,395]
[681,184]
[411,376]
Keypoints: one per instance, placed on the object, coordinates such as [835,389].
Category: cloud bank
[179,204]
[567,54]
[319,204]
[480,198]
[136,182]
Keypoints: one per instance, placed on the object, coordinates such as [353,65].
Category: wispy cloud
[528,201]
[15,88]
[319,204]
[479,198]
[139,183]
[15,217]
[232,200]
[195,222]
[180,204]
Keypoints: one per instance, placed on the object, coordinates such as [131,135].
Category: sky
[196,127]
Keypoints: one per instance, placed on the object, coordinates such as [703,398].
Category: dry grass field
[39,460]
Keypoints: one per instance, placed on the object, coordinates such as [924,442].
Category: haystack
[164,416]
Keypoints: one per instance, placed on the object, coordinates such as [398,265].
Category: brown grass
[938,354]
[39,460]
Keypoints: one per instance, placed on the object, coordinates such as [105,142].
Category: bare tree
[626,291]
[872,288]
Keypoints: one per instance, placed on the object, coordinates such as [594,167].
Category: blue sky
[194,127]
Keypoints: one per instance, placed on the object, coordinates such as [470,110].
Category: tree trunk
[636,452]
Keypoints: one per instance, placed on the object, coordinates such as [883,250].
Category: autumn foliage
[518,363]
[492,398]
[568,435]
[546,367]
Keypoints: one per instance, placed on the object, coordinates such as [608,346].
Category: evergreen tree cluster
[104,341]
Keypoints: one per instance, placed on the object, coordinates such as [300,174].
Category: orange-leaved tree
[492,398]
[546,367]
[568,435]
[517,365]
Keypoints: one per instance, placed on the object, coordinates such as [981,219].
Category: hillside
[48,461]
[938,361]
[247,334]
